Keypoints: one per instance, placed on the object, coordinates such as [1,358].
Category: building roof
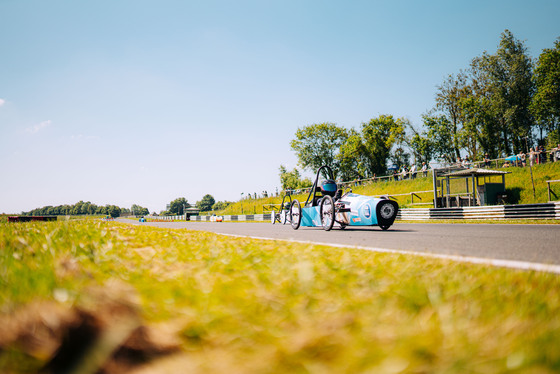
[475,172]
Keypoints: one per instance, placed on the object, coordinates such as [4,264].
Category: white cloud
[2,102]
[38,127]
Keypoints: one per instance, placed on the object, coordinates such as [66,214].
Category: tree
[318,144]
[421,145]
[507,77]
[546,101]
[353,157]
[292,180]
[439,133]
[113,211]
[137,210]
[448,101]
[365,154]
[177,206]
[206,203]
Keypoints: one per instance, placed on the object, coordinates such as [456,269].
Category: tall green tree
[353,157]
[206,203]
[449,97]
[366,153]
[439,133]
[546,101]
[421,145]
[508,79]
[318,144]
[178,205]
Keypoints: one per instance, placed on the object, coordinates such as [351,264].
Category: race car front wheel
[295,214]
[327,212]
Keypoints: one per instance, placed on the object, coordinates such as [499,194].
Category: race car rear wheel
[295,214]
[327,212]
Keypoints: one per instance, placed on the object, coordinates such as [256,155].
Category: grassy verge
[250,306]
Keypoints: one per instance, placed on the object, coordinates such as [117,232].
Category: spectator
[413,171]
[486,160]
[556,153]
[521,157]
[424,170]
[395,175]
[537,155]
[542,154]
[466,164]
[506,165]
[531,157]
[404,173]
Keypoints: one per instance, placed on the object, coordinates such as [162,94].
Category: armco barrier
[528,211]
[247,217]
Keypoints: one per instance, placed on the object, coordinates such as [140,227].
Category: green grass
[251,306]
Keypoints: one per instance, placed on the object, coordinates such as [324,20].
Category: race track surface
[514,242]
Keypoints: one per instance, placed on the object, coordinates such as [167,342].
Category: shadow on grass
[513,195]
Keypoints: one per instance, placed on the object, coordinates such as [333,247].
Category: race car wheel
[295,214]
[327,212]
[387,211]
[273,217]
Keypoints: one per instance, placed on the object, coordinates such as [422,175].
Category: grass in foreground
[249,306]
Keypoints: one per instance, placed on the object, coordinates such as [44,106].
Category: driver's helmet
[328,187]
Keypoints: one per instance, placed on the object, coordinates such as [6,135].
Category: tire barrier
[526,211]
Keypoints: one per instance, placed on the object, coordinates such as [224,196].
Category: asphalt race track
[534,244]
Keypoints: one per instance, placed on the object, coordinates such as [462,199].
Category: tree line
[502,104]
[206,204]
[84,208]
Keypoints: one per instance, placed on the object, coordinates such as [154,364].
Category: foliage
[487,107]
[137,210]
[546,101]
[507,76]
[366,153]
[221,205]
[318,144]
[80,208]
[448,101]
[178,206]
[292,180]
[206,204]
[256,306]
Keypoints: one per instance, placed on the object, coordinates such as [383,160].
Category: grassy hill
[518,187]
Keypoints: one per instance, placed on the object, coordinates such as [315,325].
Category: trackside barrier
[247,217]
[527,211]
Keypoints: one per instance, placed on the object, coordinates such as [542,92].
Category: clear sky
[140,102]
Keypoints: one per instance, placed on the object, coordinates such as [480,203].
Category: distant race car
[327,207]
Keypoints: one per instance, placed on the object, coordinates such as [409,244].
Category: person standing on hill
[424,170]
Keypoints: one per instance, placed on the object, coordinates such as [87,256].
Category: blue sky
[140,102]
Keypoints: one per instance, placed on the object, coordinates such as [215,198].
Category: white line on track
[521,265]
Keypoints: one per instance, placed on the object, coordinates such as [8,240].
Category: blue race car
[327,206]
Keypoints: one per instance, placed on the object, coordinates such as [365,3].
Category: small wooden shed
[481,187]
